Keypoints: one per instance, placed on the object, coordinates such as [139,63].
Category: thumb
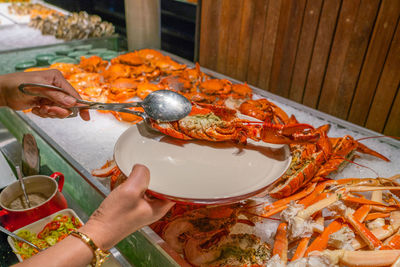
[138,179]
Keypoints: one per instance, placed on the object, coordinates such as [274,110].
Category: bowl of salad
[45,232]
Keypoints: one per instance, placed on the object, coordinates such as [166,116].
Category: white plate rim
[216,200]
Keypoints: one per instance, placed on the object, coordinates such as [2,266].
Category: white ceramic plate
[200,171]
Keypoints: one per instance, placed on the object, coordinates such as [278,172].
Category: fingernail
[69,100]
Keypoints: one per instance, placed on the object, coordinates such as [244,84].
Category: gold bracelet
[99,255]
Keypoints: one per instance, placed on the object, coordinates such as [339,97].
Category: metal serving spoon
[4,230]
[161,105]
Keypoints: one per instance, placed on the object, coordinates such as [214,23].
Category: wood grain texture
[209,33]
[234,34]
[270,33]
[321,52]
[222,41]
[392,126]
[338,56]
[374,61]
[286,46]
[257,39]
[360,37]
[305,49]
[246,28]
[387,87]
[330,98]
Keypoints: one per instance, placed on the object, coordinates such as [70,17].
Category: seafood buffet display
[68,27]
[319,221]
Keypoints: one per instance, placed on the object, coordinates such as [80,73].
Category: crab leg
[308,200]
[319,221]
[321,242]
[362,258]
[301,248]
[106,170]
[381,232]
[318,206]
[362,200]
[274,211]
[394,177]
[368,237]
[281,243]
[371,188]
[382,208]
[373,216]
[287,200]
[362,212]
[377,196]
[392,242]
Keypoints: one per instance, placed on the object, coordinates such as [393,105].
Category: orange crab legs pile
[357,223]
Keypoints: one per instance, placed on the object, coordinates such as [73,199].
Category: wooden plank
[209,33]
[330,98]
[256,37]
[387,87]
[234,33]
[270,33]
[223,34]
[246,28]
[321,52]
[286,46]
[392,127]
[375,58]
[360,37]
[304,51]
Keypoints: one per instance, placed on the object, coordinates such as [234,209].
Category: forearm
[71,251]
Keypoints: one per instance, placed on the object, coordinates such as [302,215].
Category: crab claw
[298,133]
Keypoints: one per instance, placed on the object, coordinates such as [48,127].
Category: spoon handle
[4,230]
[21,182]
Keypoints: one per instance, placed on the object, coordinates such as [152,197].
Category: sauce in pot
[20,203]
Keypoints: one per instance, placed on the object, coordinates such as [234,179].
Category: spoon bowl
[165,105]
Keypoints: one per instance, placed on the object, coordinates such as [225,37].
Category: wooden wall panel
[259,15]
[339,56]
[360,36]
[375,59]
[222,41]
[387,87]
[270,33]
[322,47]
[244,40]
[330,98]
[305,48]
[392,126]
[209,21]
[286,46]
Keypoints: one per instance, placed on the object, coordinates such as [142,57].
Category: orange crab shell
[67,69]
[131,58]
[240,91]
[93,64]
[216,86]
[116,71]
[149,55]
[143,89]
[176,83]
